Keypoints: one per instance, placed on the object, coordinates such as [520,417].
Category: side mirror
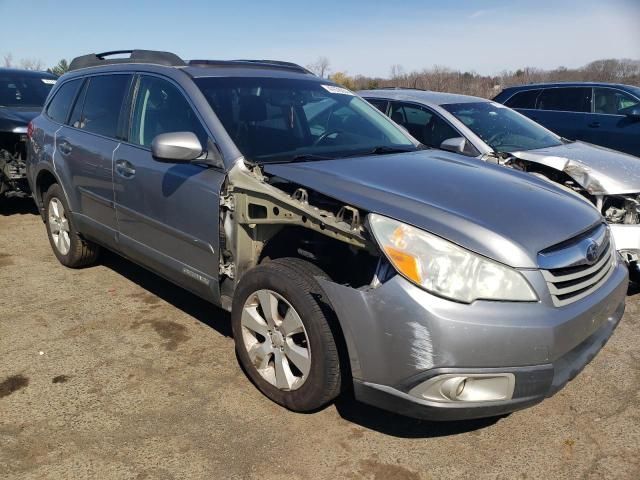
[176,147]
[632,112]
[455,145]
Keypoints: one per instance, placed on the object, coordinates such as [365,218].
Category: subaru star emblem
[592,252]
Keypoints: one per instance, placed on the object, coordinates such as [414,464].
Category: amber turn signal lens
[405,263]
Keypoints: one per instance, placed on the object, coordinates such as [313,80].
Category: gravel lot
[112,372]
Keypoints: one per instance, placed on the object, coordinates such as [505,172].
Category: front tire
[282,335]
[634,273]
[69,248]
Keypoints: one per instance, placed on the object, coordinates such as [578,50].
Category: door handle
[65,147]
[125,169]
[594,125]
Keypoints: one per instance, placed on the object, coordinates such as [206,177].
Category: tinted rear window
[526,99]
[103,102]
[58,108]
[566,99]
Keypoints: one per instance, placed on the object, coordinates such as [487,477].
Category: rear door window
[59,106]
[423,124]
[611,101]
[526,99]
[379,104]
[566,99]
[103,104]
[411,117]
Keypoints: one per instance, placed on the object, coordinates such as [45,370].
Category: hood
[597,169]
[503,214]
[11,117]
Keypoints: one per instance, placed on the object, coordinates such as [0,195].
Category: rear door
[168,213]
[86,146]
[565,111]
[610,127]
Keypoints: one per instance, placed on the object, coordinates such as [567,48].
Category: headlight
[445,269]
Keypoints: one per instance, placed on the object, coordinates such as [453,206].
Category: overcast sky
[357,36]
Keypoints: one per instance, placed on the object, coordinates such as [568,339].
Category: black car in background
[600,113]
[22,95]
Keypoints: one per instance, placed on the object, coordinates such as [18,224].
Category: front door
[168,214]
[611,127]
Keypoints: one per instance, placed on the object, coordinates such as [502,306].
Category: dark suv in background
[600,113]
[22,95]
[348,254]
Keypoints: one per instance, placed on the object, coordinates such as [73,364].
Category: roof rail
[135,56]
[402,88]
[252,63]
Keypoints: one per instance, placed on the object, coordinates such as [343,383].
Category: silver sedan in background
[494,133]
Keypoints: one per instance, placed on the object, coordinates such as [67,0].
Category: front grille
[570,284]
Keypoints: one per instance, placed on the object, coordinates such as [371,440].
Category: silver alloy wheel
[276,340]
[59,226]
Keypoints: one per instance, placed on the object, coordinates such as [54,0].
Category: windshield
[24,91]
[283,119]
[503,129]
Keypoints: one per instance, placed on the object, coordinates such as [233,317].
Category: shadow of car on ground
[17,206]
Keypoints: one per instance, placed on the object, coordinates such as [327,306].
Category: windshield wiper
[385,149]
[308,157]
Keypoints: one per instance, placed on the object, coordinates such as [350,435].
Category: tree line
[439,78]
[443,79]
[34,64]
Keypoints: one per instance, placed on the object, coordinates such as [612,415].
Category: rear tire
[299,370]
[69,248]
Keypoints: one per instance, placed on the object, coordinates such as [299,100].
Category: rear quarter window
[59,106]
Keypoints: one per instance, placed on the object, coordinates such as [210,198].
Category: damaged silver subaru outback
[349,255]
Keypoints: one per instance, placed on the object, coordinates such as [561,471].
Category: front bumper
[398,336]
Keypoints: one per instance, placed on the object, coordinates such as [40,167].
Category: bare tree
[397,75]
[320,67]
[440,78]
[31,64]
[8,60]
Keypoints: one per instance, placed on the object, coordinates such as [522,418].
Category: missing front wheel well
[343,263]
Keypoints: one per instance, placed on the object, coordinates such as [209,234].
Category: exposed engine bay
[13,153]
[620,210]
[616,208]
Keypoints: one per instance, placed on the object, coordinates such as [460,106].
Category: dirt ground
[112,372]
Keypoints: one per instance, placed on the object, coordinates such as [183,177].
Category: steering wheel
[496,138]
[324,136]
